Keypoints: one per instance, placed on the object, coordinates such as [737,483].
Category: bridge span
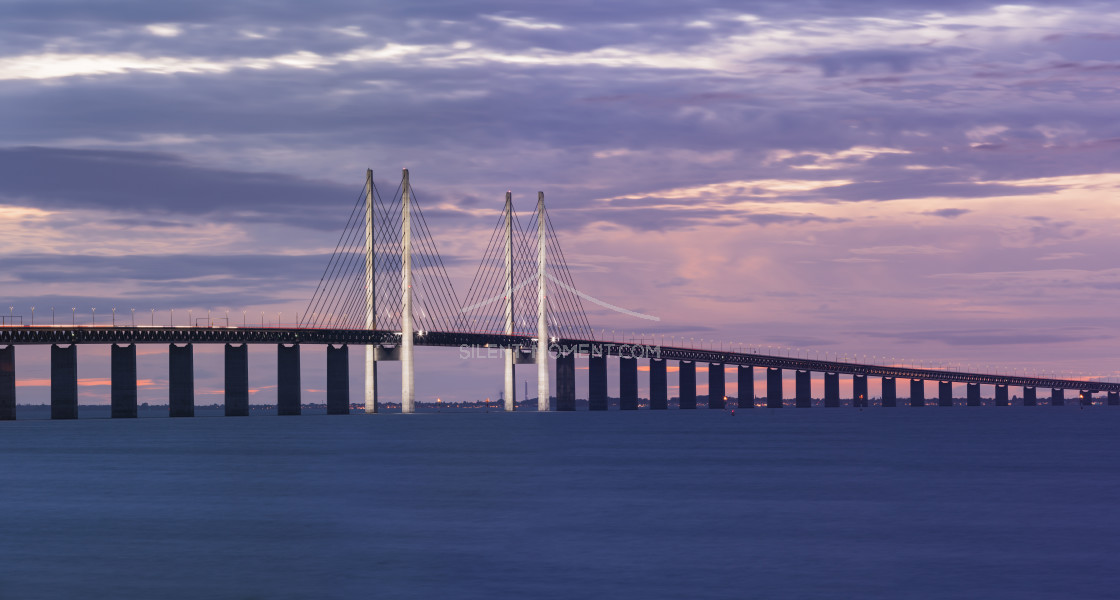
[64,341]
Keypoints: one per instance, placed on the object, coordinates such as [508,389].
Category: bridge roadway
[83,334]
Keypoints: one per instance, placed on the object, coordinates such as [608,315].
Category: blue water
[884,503]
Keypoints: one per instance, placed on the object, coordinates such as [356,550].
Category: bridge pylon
[371,299]
[542,307]
[408,375]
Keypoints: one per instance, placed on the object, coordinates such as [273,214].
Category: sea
[983,502]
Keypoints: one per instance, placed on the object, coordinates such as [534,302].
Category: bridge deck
[30,335]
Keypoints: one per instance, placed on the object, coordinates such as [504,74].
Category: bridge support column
[1113,398]
[859,391]
[832,390]
[180,380]
[774,387]
[917,392]
[338,380]
[973,394]
[287,380]
[658,385]
[1086,398]
[717,390]
[122,382]
[1057,397]
[64,382]
[746,386]
[945,393]
[890,392]
[1001,396]
[804,389]
[627,383]
[237,380]
[1030,396]
[597,382]
[687,384]
[8,383]
[566,381]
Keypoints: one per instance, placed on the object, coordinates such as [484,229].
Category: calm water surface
[885,503]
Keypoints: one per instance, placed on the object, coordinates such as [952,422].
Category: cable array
[339,300]
[485,303]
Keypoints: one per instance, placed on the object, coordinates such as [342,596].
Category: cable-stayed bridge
[386,290]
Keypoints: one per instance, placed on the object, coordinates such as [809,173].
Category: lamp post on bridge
[114,321]
[93,317]
[32,316]
[133,311]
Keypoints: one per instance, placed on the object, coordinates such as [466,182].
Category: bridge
[385,289]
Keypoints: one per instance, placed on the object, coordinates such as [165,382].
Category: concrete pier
[803,389]
[8,383]
[122,382]
[1030,396]
[64,382]
[917,392]
[566,382]
[287,380]
[1001,396]
[338,380]
[746,386]
[627,383]
[687,384]
[717,390]
[945,393]
[658,384]
[890,392]
[973,390]
[774,387]
[832,390]
[597,382]
[237,380]
[180,380]
[859,391]
[1086,398]
[1057,397]
[1113,398]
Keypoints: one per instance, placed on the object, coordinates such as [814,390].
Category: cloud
[160,183]
[947,213]
[995,337]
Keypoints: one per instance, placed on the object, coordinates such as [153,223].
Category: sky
[909,182]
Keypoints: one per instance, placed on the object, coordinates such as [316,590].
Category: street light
[74,315]
[133,316]
[114,316]
[32,316]
[93,319]
[153,317]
